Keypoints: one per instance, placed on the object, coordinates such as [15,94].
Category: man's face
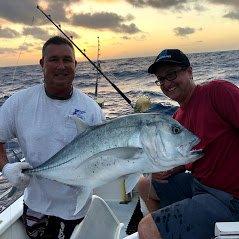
[176,82]
[58,64]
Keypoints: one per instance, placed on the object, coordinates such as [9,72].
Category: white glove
[13,173]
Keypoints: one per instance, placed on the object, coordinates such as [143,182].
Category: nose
[61,64]
[167,83]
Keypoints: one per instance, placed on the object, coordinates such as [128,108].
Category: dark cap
[169,57]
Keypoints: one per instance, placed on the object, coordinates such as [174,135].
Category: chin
[172,96]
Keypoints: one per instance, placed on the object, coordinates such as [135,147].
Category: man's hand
[13,173]
[162,176]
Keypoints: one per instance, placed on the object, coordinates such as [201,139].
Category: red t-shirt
[213,115]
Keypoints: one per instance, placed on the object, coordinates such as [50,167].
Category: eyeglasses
[169,77]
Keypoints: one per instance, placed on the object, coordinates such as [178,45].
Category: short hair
[57,40]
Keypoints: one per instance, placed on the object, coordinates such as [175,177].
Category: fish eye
[176,129]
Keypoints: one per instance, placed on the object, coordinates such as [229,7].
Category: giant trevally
[126,146]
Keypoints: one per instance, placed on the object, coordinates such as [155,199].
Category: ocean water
[130,75]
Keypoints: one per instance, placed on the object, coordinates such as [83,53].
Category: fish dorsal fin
[80,124]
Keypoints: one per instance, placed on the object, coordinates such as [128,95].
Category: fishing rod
[98,65]
[92,63]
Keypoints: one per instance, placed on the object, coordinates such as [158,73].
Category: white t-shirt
[43,127]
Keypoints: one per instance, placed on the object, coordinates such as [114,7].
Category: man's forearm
[3,156]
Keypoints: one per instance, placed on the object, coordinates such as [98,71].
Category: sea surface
[130,75]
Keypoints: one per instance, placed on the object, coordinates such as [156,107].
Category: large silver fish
[126,146]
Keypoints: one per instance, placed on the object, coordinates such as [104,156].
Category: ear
[41,62]
[190,70]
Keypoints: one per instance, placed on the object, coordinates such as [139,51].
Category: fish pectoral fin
[124,153]
[131,180]
[128,153]
[80,124]
[82,198]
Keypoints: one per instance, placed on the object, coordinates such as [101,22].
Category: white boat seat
[227,230]
[132,236]
[10,225]
[99,223]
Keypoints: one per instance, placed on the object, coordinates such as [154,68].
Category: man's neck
[59,95]
[188,96]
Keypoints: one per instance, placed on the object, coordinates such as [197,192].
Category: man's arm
[166,174]
[3,156]
[225,99]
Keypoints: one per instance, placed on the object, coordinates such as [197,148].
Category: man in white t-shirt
[39,118]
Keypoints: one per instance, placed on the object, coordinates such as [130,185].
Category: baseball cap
[169,57]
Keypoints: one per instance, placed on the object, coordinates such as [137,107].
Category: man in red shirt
[189,204]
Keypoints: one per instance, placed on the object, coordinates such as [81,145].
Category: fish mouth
[186,151]
[196,153]
[192,154]
[194,142]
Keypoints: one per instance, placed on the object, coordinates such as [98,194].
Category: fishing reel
[142,104]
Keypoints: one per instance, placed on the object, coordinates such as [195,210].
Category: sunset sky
[126,28]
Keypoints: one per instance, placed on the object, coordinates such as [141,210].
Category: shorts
[189,209]
[40,226]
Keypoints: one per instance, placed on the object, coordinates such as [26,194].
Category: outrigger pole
[92,63]
[98,65]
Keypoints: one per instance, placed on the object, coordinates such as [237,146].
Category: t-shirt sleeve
[99,116]
[7,120]
[225,98]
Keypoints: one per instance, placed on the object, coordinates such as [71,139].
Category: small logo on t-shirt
[79,113]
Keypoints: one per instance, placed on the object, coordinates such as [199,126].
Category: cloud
[141,38]
[107,1]
[60,9]
[18,11]
[70,34]
[8,33]
[183,31]
[234,3]
[163,4]
[105,20]
[234,8]
[199,7]
[25,46]
[4,50]
[125,38]
[232,15]
[36,32]
[57,10]
[22,11]
[130,29]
